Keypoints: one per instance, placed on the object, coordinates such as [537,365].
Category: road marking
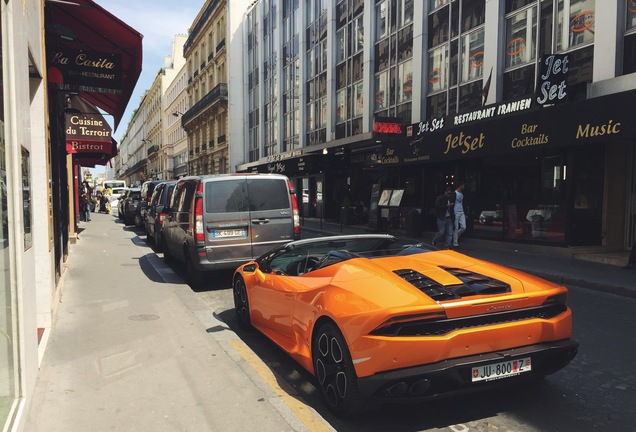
[312,421]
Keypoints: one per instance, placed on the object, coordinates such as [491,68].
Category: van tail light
[198,216]
[296,217]
[162,216]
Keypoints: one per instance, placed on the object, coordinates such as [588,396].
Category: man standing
[444,213]
[458,211]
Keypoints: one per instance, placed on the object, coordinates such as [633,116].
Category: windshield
[301,257]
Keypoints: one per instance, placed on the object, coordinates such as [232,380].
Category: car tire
[158,241]
[335,373]
[138,221]
[194,276]
[241,304]
[127,221]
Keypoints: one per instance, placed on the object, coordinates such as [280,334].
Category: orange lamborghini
[376,319]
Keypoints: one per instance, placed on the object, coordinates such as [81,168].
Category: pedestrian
[86,193]
[444,213]
[458,212]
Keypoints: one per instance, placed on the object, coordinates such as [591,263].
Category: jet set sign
[552,88]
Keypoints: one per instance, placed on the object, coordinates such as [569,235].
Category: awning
[88,134]
[91,51]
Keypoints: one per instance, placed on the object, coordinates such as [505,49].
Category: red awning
[84,25]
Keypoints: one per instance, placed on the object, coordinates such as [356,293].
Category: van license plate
[229,233]
[505,369]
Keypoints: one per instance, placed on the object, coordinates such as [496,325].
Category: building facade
[212,80]
[374,108]
[175,100]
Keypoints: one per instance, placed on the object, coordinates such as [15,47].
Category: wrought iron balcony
[153,149]
[216,94]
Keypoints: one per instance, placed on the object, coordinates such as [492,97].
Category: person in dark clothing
[86,193]
[444,214]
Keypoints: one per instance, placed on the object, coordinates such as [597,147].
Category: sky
[158,21]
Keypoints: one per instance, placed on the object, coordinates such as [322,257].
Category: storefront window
[521,34]
[575,23]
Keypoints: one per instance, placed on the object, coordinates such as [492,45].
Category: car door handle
[260,221]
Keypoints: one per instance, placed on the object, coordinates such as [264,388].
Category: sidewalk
[133,348]
[549,262]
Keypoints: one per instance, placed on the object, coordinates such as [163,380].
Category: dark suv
[128,205]
[147,188]
[157,210]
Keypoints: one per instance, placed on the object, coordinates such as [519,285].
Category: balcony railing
[221,139]
[220,45]
[217,93]
[153,149]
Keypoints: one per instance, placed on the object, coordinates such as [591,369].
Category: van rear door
[271,215]
[227,219]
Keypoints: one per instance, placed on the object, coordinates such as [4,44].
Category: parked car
[219,221]
[114,196]
[376,319]
[157,210]
[128,203]
[147,189]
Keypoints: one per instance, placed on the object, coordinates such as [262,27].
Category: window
[575,23]
[437,69]
[405,81]
[405,12]
[225,196]
[521,34]
[473,55]
[359,100]
[381,17]
[341,52]
[341,106]
[629,45]
[381,94]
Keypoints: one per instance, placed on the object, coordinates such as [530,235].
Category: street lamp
[177,113]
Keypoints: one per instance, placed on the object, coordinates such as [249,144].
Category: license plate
[228,233]
[500,370]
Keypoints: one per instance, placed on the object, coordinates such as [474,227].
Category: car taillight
[198,216]
[162,216]
[294,210]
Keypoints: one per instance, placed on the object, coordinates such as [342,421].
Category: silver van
[220,221]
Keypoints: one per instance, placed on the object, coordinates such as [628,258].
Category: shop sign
[87,127]
[551,88]
[296,166]
[593,120]
[391,126]
[81,70]
[283,156]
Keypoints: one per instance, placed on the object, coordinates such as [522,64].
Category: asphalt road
[595,392]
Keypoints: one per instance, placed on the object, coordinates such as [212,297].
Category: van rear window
[267,194]
[230,196]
